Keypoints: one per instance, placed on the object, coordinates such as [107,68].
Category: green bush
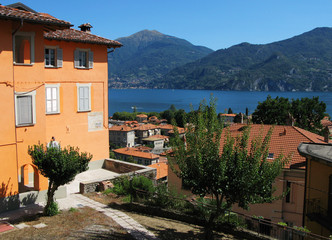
[122,186]
[302,229]
[52,209]
[72,209]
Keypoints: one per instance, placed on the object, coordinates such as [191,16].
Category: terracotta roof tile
[135,153]
[144,127]
[42,18]
[80,36]
[162,169]
[142,116]
[122,128]
[227,114]
[284,139]
[166,126]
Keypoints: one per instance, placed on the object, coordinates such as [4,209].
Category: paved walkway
[129,224]
[78,200]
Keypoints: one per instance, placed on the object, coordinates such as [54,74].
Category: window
[271,155]
[83,58]
[25,108]
[52,98]
[24,48]
[53,57]
[288,188]
[84,97]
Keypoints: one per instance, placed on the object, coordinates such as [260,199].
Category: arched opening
[29,178]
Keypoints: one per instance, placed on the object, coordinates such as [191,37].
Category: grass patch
[84,223]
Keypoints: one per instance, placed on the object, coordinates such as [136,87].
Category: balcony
[318,214]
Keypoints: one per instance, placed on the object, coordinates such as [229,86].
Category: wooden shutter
[76,58]
[90,59]
[59,57]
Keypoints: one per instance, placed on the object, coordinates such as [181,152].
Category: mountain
[149,55]
[301,63]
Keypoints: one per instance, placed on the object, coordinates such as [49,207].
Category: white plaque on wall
[95,121]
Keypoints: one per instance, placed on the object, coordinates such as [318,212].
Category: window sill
[52,113]
[26,125]
[23,64]
[82,111]
[50,66]
[84,68]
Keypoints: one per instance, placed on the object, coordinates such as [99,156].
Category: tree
[306,112]
[238,173]
[272,111]
[230,111]
[247,111]
[180,117]
[60,166]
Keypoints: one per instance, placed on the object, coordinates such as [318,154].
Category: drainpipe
[16,141]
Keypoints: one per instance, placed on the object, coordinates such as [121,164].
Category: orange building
[53,83]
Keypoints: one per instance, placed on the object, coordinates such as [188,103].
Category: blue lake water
[157,100]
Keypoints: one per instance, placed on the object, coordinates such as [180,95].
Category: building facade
[317,215]
[53,84]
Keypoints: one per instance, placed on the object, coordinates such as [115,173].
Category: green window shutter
[90,59]
[59,57]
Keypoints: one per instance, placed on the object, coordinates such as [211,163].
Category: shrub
[52,209]
[282,224]
[122,186]
[72,209]
[302,229]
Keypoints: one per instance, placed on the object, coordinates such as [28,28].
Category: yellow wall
[317,188]
[69,126]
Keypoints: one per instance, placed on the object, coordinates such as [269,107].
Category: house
[284,139]
[162,171]
[123,136]
[146,130]
[228,118]
[136,155]
[142,118]
[53,83]
[157,141]
[317,215]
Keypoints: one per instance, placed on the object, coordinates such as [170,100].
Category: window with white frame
[83,97]
[53,56]
[83,58]
[52,97]
[24,47]
[25,108]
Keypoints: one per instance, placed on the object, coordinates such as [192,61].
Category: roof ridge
[301,132]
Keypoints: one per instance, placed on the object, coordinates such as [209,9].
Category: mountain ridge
[148,55]
[300,63]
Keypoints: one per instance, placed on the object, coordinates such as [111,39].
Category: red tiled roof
[166,126]
[162,169]
[41,18]
[136,153]
[284,139]
[228,115]
[326,122]
[145,127]
[181,130]
[122,128]
[80,36]
[142,116]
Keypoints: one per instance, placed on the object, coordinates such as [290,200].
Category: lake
[157,100]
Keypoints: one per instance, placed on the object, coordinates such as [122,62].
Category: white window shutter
[76,58]
[90,59]
[59,57]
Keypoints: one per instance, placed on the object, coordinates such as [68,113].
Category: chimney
[327,134]
[86,27]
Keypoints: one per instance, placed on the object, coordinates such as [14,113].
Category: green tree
[272,111]
[308,113]
[60,166]
[238,173]
[230,111]
[180,117]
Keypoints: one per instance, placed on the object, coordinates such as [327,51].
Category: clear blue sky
[212,23]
